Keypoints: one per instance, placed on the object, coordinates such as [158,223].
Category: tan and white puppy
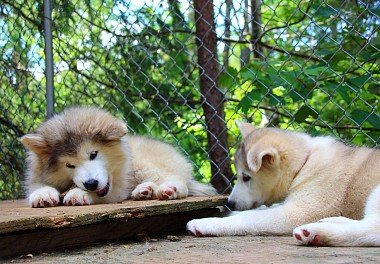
[86,153]
[312,178]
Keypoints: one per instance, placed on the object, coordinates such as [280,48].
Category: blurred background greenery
[302,65]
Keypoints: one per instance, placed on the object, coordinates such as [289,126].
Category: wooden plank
[16,216]
[35,241]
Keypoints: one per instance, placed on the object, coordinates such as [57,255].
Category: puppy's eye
[246,177]
[71,166]
[93,155]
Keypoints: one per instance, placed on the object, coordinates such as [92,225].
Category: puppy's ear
[262,158]
[116,131]
[245,128]
[35,143]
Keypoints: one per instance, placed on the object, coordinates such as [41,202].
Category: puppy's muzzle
[103,192]
[91,184]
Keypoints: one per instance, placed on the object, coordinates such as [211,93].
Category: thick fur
[312,178]
[86,155]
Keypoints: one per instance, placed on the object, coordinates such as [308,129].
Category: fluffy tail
[372,208]
[200,189]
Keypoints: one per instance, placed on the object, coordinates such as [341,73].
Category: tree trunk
[245,51]
[212,97]
[227,34]
[256,29]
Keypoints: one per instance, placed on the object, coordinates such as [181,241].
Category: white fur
[145,191]
[313,178]
[128,166]
[91,169]
[245,194]
[342,231]
[44,197]
[77,196]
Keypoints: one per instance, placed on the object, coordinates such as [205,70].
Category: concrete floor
[188,249]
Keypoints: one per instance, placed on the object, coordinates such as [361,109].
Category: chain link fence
[183,71]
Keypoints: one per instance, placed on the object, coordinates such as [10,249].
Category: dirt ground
[187,249]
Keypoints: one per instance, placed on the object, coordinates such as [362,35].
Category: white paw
[171,191]
[205,227]
[77,196]
[309,234]
[44,197]
[144,191]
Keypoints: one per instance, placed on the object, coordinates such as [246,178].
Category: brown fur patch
[66,132]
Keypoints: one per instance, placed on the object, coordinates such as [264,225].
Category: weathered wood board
[28,230]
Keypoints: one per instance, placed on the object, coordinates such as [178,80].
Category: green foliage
[139,62]
[329,83]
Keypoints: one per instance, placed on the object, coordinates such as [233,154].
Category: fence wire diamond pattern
[183,71]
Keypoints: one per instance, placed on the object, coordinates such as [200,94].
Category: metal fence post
[49,71]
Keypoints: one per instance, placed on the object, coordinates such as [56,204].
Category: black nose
[91,185]
[231,204]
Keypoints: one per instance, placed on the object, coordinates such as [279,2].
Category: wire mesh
[301,65]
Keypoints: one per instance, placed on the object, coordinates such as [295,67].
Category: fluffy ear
[35,143]
[116,131]
[245,128]
[259,158]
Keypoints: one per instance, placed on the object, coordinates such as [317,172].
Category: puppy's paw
[44,197]
[205,227]
[144,191]
[171,191]
[310,234]
[77,196]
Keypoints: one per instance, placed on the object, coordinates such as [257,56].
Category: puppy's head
[258,163]
[78,147]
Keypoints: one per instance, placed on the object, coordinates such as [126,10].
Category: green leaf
[316,70]
[344,91]
[295,96]
[361,117]
[304,112]
[228,78]
[358,82]
[325,11]
[248,74]
[275,100]
[374,120]
[246,103]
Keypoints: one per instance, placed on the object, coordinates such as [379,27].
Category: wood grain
[32,242]
[16,215]
[26,230]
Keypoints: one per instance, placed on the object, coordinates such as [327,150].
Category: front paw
[144,191]
[77,196]
[44,197]
[205,227]
[171,191]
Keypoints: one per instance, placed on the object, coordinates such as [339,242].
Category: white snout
[91,170]
[244,196]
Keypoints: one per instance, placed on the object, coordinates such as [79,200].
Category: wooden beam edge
[126,213]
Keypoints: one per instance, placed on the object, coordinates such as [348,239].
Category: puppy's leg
[348,233]
[279,220]
[172,189]
[44,196]
[341,231]
[145,191]
[77,196]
